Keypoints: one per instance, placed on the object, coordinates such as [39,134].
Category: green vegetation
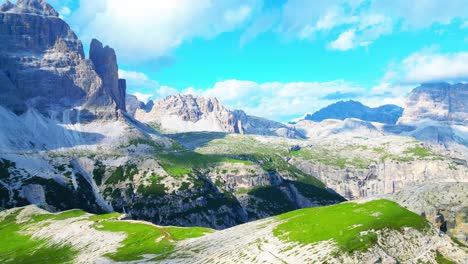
[180,233]
[182,163]
[442,260]
[155,189]
[272,199]
[4,166]
[145,239]
[419,152]
[149,142]
[343,223]
[104,217]
[98,172]
[17,247]
[60,216]
[117,176]
[120,174]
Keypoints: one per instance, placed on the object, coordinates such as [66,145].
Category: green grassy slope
[343,223]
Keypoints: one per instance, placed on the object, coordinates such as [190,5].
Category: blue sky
[278,58]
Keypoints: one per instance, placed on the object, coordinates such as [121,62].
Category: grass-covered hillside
[347,232]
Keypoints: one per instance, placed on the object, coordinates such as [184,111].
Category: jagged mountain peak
[35,7]
[188,113]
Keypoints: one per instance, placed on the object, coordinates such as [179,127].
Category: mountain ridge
[388,114]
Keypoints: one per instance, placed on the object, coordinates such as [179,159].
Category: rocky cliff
[43,66]
[443,204]
[388,114]
[188,113]
[441,102]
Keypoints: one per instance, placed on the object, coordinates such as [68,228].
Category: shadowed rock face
[105,64]
[441,102]
[42,65]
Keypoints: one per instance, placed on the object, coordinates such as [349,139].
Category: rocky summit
[188,113]
[44,67]
[89,174]
[388,114]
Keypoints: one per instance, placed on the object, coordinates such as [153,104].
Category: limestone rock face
[133,104]
[186,113]
[443,204]
[42,65]
[105,64]
[440,102]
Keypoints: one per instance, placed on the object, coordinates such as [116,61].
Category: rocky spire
[36,7]
[105,64]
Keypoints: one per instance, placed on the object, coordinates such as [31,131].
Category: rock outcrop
[105,64]
[43,66]
[441,102]
[443,204]
[387,114]
[187,113]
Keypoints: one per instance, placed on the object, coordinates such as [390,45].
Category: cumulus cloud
[345,41]
[148,29]
[276,100]
[429,66]
[138,81]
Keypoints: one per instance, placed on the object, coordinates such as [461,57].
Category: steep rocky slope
[188,113]
[443,204]
[387,114]
[355,166]
[365,232]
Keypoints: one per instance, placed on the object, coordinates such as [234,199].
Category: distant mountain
[388,114]
[189,113]
[440,102]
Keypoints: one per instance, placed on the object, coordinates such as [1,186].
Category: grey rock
[187,113]
[441,102]
[105,64]
[42,65]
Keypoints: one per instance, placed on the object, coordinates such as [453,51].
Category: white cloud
[143,97]
[140,85]
[345,41]
[430,66]
[275,100]
[65,11]
[148,29]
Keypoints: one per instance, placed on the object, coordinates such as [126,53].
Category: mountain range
[245,188]
[387,114]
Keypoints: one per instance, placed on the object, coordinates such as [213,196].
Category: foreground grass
[16,247]
[141,239]
[146,239]
[343,223]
